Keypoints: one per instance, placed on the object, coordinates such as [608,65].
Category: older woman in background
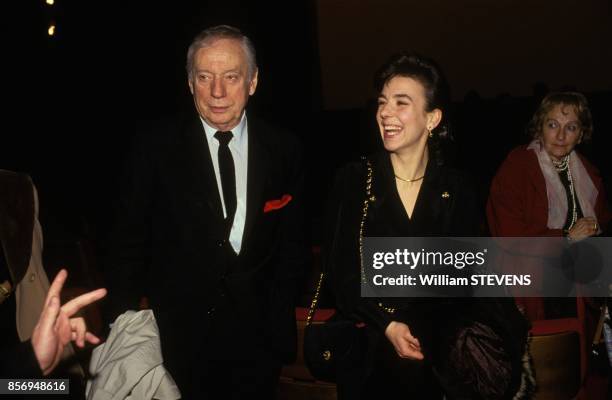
[547,188]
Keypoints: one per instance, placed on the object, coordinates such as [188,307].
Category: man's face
[220,84]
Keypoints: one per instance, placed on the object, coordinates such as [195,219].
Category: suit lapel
[257,171]
[204,182]
[426,208]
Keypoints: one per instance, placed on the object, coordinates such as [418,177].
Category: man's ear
[190,83]
[253,83]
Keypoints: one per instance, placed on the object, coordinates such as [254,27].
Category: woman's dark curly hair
[573,99]
[437,92]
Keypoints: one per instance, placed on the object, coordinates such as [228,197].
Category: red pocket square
[276,204]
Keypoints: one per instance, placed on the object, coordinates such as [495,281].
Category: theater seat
[556,360]
[560,355]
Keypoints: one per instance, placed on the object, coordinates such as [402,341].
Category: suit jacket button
[210,311]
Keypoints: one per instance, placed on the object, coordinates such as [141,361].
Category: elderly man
[210,230]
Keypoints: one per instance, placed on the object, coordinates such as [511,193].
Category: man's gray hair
[208,36]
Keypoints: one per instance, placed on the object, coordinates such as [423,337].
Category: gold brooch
[445,195]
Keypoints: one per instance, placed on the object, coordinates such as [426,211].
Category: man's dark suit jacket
[170,245]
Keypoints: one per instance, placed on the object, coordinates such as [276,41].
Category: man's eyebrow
[231,71]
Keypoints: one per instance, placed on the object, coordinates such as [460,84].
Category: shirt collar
[239,130]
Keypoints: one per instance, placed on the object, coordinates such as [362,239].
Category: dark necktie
[228,175]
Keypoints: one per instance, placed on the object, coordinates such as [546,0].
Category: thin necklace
[409,180]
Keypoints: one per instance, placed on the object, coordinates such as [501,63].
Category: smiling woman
[403,121]
[422,349]
[412,94]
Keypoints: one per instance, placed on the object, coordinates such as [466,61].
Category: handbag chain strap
[366,202]
[364,215]
[370,198]
[315,300]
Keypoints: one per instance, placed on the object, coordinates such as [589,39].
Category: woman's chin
[390,146]
[557,156]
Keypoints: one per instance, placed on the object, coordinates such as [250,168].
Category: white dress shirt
[239,147]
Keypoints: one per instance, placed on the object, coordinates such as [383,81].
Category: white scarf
[585,190]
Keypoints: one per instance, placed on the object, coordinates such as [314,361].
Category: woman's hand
[583,228]
[406,345]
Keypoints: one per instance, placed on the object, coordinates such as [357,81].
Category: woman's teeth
[391,129]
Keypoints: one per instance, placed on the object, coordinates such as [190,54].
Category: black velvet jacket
[446,206]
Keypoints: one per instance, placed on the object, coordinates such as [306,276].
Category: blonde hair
[573,99]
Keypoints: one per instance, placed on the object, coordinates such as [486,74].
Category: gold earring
[430,132]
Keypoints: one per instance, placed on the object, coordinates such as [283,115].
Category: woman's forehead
[563,110]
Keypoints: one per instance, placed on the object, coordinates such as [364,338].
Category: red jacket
[518,205]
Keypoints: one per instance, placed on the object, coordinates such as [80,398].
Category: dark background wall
[488,46]
[72,101]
